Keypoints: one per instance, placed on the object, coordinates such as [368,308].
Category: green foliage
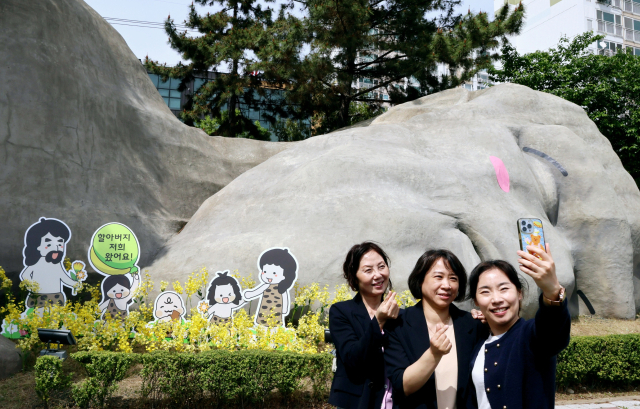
[287,130]
[105,369]
[316,60]
[606,87]
[604,361]
[220,378]
[212,127]
[386,43]
[49,377]
[226,377]
[229,38]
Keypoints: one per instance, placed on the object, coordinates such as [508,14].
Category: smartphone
[531,234]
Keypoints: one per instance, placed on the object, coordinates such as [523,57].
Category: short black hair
[424,264]
[501,265]
[36,232]
[352,262]
[224,279]
[284,259]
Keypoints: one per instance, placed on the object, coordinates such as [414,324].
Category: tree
[229,37]
[386,41]
[606,87]
[212,126]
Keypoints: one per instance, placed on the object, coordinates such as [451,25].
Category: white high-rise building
[548,20]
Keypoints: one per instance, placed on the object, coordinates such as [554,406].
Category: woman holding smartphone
[358,331]
[515,367]
[431,344]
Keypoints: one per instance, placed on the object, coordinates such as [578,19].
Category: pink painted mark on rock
[501,173]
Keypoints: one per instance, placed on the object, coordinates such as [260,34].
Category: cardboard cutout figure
[222,299]
[45,244]
[278,272]
[114,253]
[168,306]
[117,294]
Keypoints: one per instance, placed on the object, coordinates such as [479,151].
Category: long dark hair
[352,262]
[284,259]
[224,279]
[36,232]
[111,281]
[424,264]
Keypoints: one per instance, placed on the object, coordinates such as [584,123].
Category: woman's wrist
[553,293]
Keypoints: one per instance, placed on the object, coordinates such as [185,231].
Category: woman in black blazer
[357,329]
[515,367]
[430,344]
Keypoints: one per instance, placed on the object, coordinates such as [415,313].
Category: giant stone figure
[456,169]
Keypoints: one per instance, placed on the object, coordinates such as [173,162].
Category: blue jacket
[520,367]
[359,381]
[409,339]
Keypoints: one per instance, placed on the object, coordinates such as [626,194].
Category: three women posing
[431,348]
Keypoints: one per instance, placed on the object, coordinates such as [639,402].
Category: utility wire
[144,24]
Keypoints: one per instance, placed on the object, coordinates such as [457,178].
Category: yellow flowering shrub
[138,330]
[5,283]
[246,282]
[177,287]
[405,299]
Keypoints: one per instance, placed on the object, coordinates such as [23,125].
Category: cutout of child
[222,299]
[117,293]
[168,306]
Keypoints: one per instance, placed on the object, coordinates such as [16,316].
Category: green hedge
[227,379]
[602,361]
[212,379]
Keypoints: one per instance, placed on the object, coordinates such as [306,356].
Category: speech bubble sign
[114,250]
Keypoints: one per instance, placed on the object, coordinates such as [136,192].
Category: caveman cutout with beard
[44,250]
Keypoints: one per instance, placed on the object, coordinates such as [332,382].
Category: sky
[149,38]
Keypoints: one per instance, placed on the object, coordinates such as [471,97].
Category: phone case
[531,234]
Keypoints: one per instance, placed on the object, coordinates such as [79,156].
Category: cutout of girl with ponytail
[278,272]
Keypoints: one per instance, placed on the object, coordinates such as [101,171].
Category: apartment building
[547,20]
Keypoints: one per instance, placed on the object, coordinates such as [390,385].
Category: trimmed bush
[222,378]
[105,369]
[49,377]
[601,361]
[216,378]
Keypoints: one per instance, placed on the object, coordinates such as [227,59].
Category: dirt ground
[587,325]
[18,392]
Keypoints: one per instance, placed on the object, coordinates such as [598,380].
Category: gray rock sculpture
[10,361]
[420,176]
[86,138]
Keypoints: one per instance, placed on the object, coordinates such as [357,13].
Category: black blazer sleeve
[354,351]
[552,329]
[396,358]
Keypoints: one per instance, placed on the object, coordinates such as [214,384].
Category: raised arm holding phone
[515,366]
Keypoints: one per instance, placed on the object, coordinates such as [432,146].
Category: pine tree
[229,38]
[388,42]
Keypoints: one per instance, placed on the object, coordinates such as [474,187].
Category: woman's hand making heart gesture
[440,344]
[387,310]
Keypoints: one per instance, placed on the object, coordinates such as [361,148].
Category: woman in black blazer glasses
[357,329]
[430,345]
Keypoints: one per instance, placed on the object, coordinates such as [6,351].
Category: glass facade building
[260,110]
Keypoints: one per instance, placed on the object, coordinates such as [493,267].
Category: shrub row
[602,361]
[216,378]
[221,378]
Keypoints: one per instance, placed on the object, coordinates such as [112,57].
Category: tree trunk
[347,85]
[233,102]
